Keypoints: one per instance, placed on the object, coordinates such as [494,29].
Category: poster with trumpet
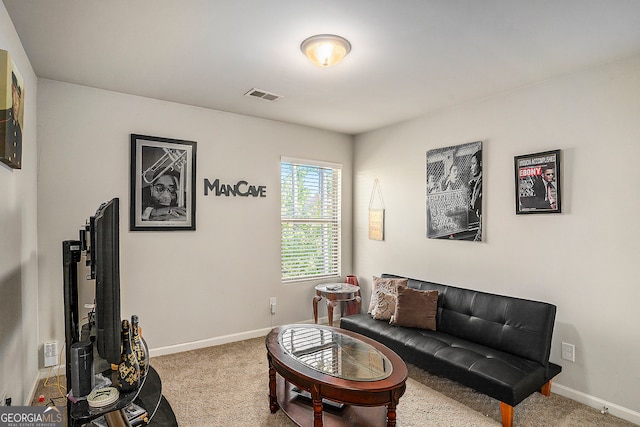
[163,174]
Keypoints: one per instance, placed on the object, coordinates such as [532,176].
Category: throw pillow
[385,306]
[388,286]
[416,309]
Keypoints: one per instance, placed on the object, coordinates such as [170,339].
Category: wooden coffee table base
[369,403]
[301,411]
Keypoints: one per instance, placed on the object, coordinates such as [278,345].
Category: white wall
[18,241]
[593,246]
[189,288]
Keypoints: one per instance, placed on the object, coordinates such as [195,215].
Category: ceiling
[408,57]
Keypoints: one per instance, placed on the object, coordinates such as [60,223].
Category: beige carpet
[227,386]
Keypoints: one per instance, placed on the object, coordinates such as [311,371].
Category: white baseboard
[32,392]
[225,339]
[52,371]
[209,342]
[596,403]
[42,374]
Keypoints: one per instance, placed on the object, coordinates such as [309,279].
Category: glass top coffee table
[356,380]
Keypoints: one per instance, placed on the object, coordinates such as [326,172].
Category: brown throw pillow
[416,309]
[388,286]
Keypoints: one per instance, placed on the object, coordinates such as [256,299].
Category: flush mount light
[325,50]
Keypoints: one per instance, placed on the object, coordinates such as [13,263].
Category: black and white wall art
[163,173]
[454,192]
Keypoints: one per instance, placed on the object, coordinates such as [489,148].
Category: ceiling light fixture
[325,50]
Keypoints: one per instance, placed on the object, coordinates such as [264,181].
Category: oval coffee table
[356,380]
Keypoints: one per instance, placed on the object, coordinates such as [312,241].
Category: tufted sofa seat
[497,345]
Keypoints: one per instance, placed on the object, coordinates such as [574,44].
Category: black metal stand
[70,258]
[150,393]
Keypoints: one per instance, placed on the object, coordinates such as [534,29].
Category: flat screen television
[103,257]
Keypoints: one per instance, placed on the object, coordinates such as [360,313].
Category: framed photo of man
[538,183]
[11,112]
[163,178]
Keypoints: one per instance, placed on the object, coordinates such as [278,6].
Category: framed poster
[11,112]
[538,183]
[163,178]
[454,192]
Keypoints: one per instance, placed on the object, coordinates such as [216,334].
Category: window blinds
[310,219]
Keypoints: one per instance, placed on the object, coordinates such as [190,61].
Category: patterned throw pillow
[388,286]
[385,306]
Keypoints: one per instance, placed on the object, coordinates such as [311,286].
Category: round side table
[335,293]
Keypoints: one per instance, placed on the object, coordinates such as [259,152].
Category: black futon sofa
[495,344]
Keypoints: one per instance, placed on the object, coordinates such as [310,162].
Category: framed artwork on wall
[163,178]
[376,215]
[454,192]
[11,112]
[538,183]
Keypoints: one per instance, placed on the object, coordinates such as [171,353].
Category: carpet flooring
[227,386]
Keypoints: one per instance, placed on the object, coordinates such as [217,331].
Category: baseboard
[225,339]
[51,371]
[32,392]
[596,403]
[209,342]
[42,374]
[178,348]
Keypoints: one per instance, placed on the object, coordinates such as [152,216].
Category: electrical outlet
[272,304]
[50,353]
[568,352]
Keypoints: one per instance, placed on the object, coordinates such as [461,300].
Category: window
[310,198]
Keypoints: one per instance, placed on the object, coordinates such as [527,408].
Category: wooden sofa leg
[546,389]
[507,414]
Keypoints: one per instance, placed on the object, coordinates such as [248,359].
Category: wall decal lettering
[240,189]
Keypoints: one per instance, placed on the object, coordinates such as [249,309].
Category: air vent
[263,94]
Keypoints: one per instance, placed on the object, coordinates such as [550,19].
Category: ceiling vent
[263,94]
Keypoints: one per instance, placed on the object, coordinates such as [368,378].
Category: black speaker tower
[82,372]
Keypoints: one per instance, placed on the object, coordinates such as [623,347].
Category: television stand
[148,396]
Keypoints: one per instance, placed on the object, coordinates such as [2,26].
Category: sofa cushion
[386,285]
[517,326]
[501,375]
[416,309]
